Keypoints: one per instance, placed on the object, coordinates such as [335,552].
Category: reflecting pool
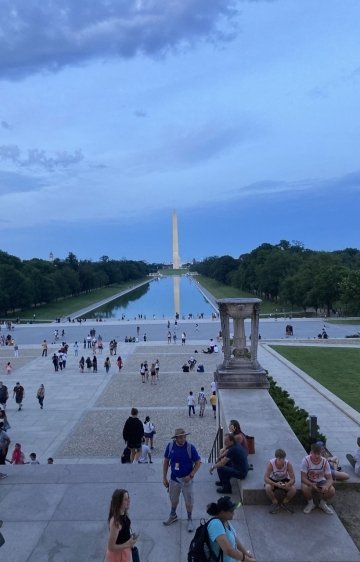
[161,298]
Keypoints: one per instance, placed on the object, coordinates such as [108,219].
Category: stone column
[240,368]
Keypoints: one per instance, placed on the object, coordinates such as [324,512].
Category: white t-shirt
[144,457]
[315,472]
[191,400]
[213,386]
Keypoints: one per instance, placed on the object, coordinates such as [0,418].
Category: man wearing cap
[316,477]
[184,462]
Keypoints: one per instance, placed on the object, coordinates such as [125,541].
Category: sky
[243,115]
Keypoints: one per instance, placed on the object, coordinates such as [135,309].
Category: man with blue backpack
[184,462]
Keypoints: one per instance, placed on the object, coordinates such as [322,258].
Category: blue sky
[241,115]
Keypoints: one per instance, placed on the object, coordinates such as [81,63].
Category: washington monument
[175,241]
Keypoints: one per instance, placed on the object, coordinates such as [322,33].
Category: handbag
[250,441]
[135,554]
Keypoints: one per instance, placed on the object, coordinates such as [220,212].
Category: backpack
[200,548]
[188,448]
[125,457]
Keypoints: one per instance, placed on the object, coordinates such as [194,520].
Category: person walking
[149,431]
[17,456]
[222,535]
[157,368]
[94,364]
[8,368]
[19,395]
[55,361]
[44,346]
[40,395]
[213,402]
[4,447]
[191,403]
[119,363]
[184,462]
[107,364]
[4,394]
[121,539]
[183,338]
[82,364]
[202,401]
[76,349]
[16,350]
[152,374]
[133,432]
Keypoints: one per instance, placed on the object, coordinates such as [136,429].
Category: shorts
[149,435]
[187,489]
[136,446]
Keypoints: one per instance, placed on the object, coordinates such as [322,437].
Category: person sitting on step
[316,478]
[279,481]
[354,460]
[233,464]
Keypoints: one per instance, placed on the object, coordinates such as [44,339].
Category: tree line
[28,283]
[292,275]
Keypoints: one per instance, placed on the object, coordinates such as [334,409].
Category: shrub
[297,418]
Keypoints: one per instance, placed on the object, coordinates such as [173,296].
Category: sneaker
[224,491]
[2,475]
[351,460]
[171,520]
[326,509]
[309,507]
[190,526]
[287,507]
[275,508]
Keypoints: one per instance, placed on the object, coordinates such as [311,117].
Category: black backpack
[200,548]
[125,457]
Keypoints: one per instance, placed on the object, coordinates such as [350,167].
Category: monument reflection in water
[161,298]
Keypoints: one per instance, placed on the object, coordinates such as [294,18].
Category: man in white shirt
[316,477]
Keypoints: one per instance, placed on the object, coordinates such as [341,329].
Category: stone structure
[175,242]
[240,368]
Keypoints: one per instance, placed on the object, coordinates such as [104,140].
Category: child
[355,460]
[145,456]
[8,368]
[17,456]
[50,460]
[33,459]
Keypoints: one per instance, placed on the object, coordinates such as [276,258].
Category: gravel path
[99,432]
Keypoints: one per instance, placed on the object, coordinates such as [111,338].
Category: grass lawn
[336,369]
[66,307]
[221,291]
[344,321]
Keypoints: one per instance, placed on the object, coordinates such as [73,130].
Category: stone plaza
[60,511]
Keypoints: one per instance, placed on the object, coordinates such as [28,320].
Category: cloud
[39,158]
[43,35]
[140,113]
[12,182]
[182,148]
[5,125]
[337,184]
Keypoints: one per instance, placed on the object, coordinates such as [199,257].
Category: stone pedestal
[240,368]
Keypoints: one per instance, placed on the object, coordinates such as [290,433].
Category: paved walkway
[60,511]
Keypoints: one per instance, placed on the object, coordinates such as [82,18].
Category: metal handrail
[217,445]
